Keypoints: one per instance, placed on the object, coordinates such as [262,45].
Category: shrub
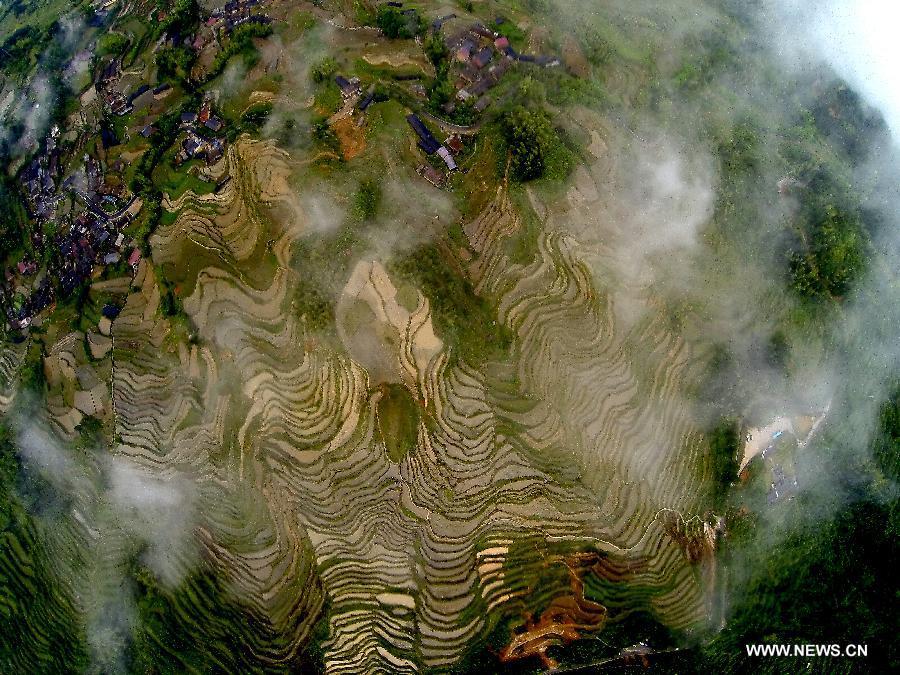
[323,70]
[368,199]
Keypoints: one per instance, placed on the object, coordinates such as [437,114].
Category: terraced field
[582,442]
[554,492]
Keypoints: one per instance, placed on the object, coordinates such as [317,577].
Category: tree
[724,446]
[323,70]
[436,50]
[390,21]
[112,43]
[532,142]
[175,62]
[183,17]
[836,255]
[396,24]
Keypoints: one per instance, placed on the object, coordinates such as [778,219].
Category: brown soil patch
[397,59]
[568,618]
[260,97]
[351,136]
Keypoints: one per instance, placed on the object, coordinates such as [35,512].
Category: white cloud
[858,39]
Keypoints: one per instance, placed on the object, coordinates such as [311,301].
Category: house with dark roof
[483,31]
[427,142]
[483,57]
[140,90]
[367,101]
[193,145]
[348,87]
[215,151]
[438,23]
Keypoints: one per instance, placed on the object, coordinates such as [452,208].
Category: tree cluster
[533,143]
[395,23]
[323,70]
[724,458]
[241,41]
[834,257]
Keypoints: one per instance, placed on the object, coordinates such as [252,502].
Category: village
[80,207]
[479,58]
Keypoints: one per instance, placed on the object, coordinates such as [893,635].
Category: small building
[438,23]
[483,57]
[432,175]
[367,101]
[454,144]
[349,87]
[427,142]
[464,51]
[445,155]
[188,118]
[192,146]
[214,124]
[27,268]
[479,87]
[502,43]
[215,151]
[148,131]
[483,31]
[135,257]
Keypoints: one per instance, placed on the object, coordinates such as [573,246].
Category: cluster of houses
[430,146]
[219,24]
[40,178]
[352,93]
[483,57]
[235,13]
[95,236]
[114,100]
[199,141]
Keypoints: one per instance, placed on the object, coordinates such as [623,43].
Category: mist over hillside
[498,336]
